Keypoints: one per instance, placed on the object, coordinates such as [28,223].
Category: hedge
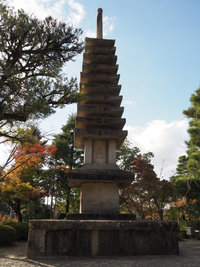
[21,229]
[7,235]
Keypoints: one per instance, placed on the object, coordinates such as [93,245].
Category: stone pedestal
[55,238]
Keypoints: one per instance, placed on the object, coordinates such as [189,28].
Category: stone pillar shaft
[99,29]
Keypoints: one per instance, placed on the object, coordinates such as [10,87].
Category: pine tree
[187,179]
[32,55]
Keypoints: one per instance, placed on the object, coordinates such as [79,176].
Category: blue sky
[158,49]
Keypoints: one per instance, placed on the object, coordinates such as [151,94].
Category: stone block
[99,198]
[111,151]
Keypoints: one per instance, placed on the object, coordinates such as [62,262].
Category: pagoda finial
[99,30]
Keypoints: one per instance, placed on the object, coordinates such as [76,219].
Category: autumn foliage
[147,195]
[17,182]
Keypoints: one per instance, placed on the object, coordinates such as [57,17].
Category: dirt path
[189,256]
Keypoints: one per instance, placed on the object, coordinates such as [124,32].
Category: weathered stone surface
[36,244]
[102,238]
[99,198]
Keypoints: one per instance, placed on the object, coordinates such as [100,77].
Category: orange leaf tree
[19,182]
[148,196]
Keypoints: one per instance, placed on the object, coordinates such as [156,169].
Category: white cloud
[108,25]
[44,8]
[165,140]
[90,34]
[41,8]
[77,13]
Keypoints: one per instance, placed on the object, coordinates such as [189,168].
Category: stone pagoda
[99,229]
[99,127]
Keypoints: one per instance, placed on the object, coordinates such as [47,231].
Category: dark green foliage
[33,53]
[196,224]
[64,142]
[193,152]
[72,158]
[187,179]
[7,235]
[181,169]
[182,235]
[4,208]
[35,209]
[74,200]
[21,229]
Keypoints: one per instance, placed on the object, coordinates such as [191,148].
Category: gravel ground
[189,256]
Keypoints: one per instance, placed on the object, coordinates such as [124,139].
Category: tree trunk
[17,208]
[142,216]
[67,206]
[161,214]
[67,200]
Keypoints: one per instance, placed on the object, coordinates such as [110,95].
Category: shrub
[183,224]
[182,235]
[7,235]
[21,229]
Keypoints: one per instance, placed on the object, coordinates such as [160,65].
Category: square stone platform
[60,238]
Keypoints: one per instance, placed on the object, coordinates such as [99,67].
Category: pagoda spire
[99,29]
